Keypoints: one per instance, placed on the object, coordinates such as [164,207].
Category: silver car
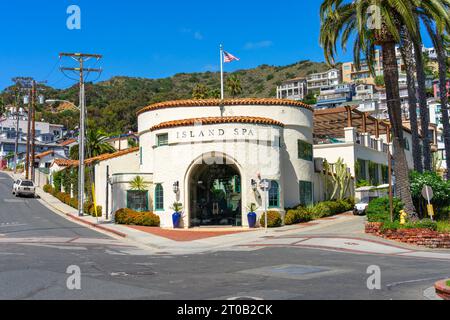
[24,188]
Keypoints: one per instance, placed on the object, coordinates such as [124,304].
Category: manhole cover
[298,272]
[245,299]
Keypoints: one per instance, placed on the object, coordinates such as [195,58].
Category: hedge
[47,188]
[423,224]
[379,210]
[273,219]
[131,217]
[320,210]
[297,216]
[73,202]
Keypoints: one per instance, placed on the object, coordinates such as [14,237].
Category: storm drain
[290,271]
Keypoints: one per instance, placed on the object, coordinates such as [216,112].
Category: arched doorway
[215,195]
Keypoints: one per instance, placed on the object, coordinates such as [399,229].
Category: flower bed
[419,237]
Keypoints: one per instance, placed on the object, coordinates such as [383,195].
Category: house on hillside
[124,141]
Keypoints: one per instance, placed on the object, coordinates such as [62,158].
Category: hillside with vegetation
[112,104]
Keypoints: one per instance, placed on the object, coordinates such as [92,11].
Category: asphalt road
[112,269]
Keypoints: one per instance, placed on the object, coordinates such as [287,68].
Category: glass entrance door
[216,196]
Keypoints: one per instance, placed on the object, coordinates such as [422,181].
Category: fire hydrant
[403,216]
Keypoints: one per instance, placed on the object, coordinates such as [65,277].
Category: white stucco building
[210,155]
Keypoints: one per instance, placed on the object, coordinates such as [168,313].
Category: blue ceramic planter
[252,219]
[176,219]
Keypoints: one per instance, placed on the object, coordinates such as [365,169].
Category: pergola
[330,123]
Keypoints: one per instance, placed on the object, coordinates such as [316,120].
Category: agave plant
[139,184]
[252,207]
[177,207]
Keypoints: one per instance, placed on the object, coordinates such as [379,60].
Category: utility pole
[33,128]
[16,146]
[81,58]
[27,161]
[21,83]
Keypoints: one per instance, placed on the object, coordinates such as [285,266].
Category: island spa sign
[207,133]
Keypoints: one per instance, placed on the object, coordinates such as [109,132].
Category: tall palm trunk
[438,41]
[442,60]
[395,115]
[423,104]
[407,51]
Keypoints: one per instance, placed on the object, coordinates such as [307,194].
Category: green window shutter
[306,193]
[305,150]
[140,155]
[159,198]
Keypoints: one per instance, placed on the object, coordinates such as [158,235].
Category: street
[37,246]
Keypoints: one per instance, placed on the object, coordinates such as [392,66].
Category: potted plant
[176,216]
[252,216]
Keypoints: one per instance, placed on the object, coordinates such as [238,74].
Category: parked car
[361,207]
[24,188]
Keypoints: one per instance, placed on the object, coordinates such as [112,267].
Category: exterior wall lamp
[176,187]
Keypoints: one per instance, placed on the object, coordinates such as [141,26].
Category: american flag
[228,57]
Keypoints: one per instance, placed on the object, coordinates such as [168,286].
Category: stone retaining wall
[418,237]
[442,290]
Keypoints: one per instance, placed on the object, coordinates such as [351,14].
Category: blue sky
[155,39]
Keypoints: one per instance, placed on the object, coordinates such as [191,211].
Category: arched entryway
[215,195]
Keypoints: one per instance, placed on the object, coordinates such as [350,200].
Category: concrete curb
[95,225]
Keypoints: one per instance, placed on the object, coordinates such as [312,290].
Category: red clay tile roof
[67,142]
[103,157]
[108,156]
[43,154]
[216,120]
[226,102]
[65,162]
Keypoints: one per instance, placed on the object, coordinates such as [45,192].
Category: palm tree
[345,18]
[437,11]
[233,85]
[407,50]
[438,38]
[423,105]
[96,143]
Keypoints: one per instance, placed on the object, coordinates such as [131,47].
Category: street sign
[265,185]
[430,210]
[427,193]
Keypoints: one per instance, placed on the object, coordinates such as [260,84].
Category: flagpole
[221,73]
